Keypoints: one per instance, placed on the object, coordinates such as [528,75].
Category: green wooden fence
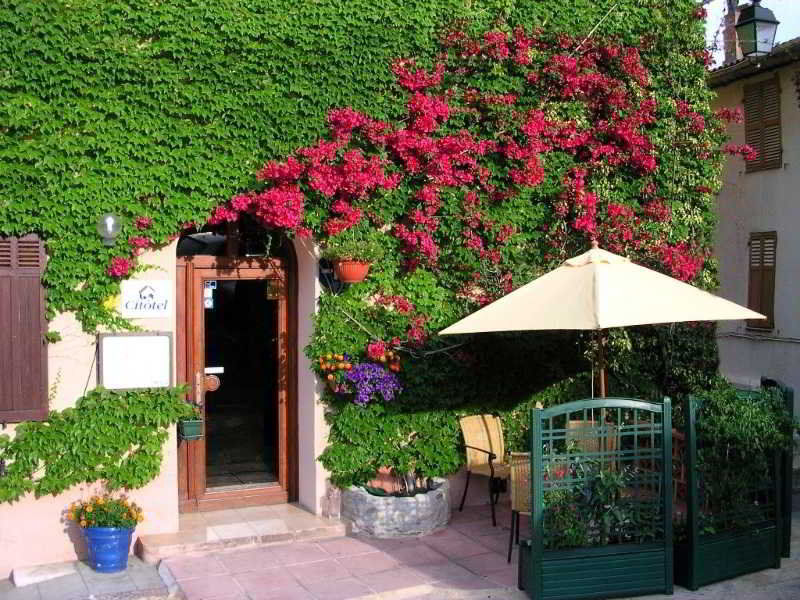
[727,542]
[602,501]
[786,467]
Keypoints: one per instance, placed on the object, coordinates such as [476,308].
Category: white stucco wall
[312,428]
[762,201]
[33,531]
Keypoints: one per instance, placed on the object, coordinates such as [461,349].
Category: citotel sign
[141,299]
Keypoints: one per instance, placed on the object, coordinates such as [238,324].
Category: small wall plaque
[134,360]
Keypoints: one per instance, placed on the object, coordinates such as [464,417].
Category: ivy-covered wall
[163,113]
[163,110]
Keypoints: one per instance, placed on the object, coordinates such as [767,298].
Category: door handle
[198,388]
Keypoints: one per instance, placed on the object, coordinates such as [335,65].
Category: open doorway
[241,346]
[236,346]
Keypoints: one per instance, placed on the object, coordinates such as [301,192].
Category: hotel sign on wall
[145,298]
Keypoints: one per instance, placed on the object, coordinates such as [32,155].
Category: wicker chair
[520,469]
[485,448]
[589,436]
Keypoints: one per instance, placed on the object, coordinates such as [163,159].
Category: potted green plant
[107,524]
[191,427]
[352,253]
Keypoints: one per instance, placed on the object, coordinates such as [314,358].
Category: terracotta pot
[385,481]
[351,271]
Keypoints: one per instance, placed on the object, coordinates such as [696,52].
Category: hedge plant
[487,140]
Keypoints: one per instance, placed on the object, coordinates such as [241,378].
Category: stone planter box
[391,517]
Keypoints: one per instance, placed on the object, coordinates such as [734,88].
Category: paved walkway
[140,580]
[467,560]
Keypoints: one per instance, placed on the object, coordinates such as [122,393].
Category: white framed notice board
[134,360]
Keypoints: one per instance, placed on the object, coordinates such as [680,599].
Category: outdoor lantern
[756,29]
[108,227]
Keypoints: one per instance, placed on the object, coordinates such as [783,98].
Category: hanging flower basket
[351,271]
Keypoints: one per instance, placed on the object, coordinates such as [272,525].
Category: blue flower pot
[108,548]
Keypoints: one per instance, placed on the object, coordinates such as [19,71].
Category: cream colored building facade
[34,531]
[758,203]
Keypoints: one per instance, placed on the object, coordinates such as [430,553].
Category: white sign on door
[143,298]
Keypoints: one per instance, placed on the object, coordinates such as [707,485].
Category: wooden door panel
[191,344]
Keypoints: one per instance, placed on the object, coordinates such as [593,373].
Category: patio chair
[520,469]
[485,449]
[589,436]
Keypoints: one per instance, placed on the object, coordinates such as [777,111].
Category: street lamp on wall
[756,29]
[108,226]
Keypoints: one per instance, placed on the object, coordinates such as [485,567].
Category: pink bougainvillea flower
[120,267]
[142,222]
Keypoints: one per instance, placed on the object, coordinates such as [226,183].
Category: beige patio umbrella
[599,290]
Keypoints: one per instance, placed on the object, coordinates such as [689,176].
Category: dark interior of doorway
[241,416]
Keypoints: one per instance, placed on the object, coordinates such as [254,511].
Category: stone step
[200,533]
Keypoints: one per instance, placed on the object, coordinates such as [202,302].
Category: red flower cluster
[416,334]
[657,211]
[681,261]
[401,304]
[730,115]
[282,207]
[585,203]
[375,350]
[495,45]
[697,122]
[500,154]
[142,222]
[420,79]
[138,243]
[744,150]
[120,267]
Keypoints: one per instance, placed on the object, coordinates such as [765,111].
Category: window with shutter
[761,285]
[23,353]
[762,124]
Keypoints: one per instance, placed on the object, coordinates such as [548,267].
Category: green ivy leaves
[116,437]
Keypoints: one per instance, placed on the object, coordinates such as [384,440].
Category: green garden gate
[743,535]
[601,526]
[787,459]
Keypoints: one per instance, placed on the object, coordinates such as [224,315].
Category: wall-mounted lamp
[756,29]
[108,226]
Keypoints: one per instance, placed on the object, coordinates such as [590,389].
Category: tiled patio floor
[467,556]
[466,560]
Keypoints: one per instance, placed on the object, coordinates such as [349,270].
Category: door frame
[191,272]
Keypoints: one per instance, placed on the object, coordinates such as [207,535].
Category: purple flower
[370,379]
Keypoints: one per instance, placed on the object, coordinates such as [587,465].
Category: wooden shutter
[762,124]
[23,353]
[761,285]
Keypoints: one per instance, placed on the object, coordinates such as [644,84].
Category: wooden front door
[235,335]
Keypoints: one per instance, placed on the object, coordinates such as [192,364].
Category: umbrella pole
[601,363]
